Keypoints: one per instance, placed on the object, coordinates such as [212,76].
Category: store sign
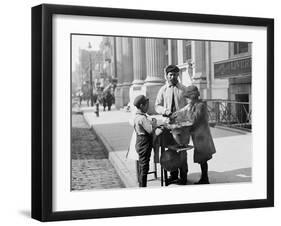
[233,68]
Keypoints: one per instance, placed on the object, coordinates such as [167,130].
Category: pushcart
[174,139]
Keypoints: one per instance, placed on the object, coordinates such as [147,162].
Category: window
[187,51]
[240,47]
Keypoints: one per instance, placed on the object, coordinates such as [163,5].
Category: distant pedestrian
[103,100]
[144,129]
[196,112]
[109,100]
[95,97]
[80,96]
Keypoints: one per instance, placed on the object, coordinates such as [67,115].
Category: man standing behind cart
[169,100]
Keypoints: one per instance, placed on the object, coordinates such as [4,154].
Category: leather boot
[143,181]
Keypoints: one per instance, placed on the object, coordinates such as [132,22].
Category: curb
[124,173]
[233,129]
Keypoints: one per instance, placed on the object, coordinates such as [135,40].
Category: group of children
[195,112]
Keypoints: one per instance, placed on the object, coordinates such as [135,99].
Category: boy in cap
[196,112]
[144,129]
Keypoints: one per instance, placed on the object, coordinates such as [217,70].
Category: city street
[231,164]
[91,168]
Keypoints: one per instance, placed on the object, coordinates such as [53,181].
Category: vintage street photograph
[158,112]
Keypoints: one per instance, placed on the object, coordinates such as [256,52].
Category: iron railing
[230,113]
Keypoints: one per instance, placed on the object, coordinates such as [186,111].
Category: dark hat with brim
[141,99]
[191,90]
[171,68]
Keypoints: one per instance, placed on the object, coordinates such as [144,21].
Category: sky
[82,42]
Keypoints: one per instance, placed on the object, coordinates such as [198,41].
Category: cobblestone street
[91,168]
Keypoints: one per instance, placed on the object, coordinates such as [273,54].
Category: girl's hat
[190,90]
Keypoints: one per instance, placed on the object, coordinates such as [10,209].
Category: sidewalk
[231,163]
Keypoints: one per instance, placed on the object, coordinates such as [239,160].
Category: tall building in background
[221,70]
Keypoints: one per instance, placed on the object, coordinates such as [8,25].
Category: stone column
[185,75]
[180,51]
[155,64]
[170,53]
[119,72]
[199,59]
[139,67]
[173,52]
[208,69]
[112,50]
[127,66]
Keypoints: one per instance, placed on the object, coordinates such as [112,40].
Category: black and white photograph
[142,112]
[159,112]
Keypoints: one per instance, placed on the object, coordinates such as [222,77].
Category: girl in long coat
[196,112]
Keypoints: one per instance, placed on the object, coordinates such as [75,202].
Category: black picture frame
[42,107]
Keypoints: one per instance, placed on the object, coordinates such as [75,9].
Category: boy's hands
[154,123]
[173,116]
[167,113]
[158,131]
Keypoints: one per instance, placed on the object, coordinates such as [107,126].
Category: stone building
[221,70]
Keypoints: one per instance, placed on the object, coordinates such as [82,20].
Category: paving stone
[91,168]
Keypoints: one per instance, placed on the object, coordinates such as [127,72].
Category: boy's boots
[143,181]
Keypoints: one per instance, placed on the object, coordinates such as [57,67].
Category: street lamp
[91,75]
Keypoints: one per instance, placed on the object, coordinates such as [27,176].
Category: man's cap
[171,68]
[141,99]
[191,90]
